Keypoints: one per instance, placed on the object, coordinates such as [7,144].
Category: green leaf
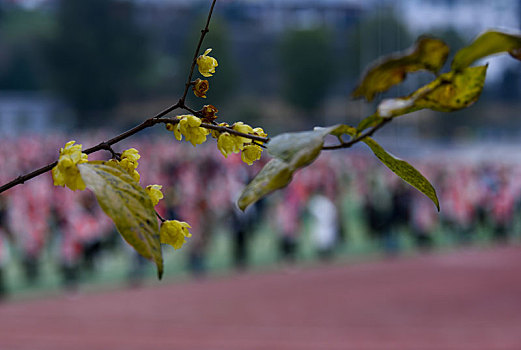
[274,175]
[487,44]
[128,205]
[404,170]
[449,92]
[298,148]
[291,151]
[427,54]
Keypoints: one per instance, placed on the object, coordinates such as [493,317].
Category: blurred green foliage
[21,35]
[97,55]
[372,37]
[307,67]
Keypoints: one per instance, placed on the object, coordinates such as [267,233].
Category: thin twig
[114,154]
[22,178]
[259,144]
[196,113]
[146,124]
[168,110]
[359,138]
[196,54]
[159,216]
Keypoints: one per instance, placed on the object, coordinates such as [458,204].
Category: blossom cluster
[194,128]
[171,232]
[229,143]
[129,162]
[66,172]
[228,140]
[190,127]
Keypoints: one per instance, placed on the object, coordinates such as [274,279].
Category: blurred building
[468,16]
[30,112]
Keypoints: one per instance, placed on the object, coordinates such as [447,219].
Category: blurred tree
[21,35]
[19,73]
[371,38]
[97,56]
[306,67]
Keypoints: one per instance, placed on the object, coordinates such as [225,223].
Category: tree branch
[217,128]
[106,145]
[22,178]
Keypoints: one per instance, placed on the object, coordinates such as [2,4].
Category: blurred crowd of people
[201,187]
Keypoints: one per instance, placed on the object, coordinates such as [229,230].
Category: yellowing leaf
[291,151]
[449,92]
[128,205]
[487,44]
[459,91]
[427,54]
[404,170]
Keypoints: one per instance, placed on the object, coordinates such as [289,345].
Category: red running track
[468,300]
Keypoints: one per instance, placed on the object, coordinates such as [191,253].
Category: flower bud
[209,112]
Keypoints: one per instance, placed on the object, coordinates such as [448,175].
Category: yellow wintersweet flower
[174,232]
[251,153]
[206,64]
[176,130]
[135,175]
[259,132]
[189,126]
[227,143]
[129,167]
[66,172]
[129,162]
[154,192]
[131,154]
[245,129]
